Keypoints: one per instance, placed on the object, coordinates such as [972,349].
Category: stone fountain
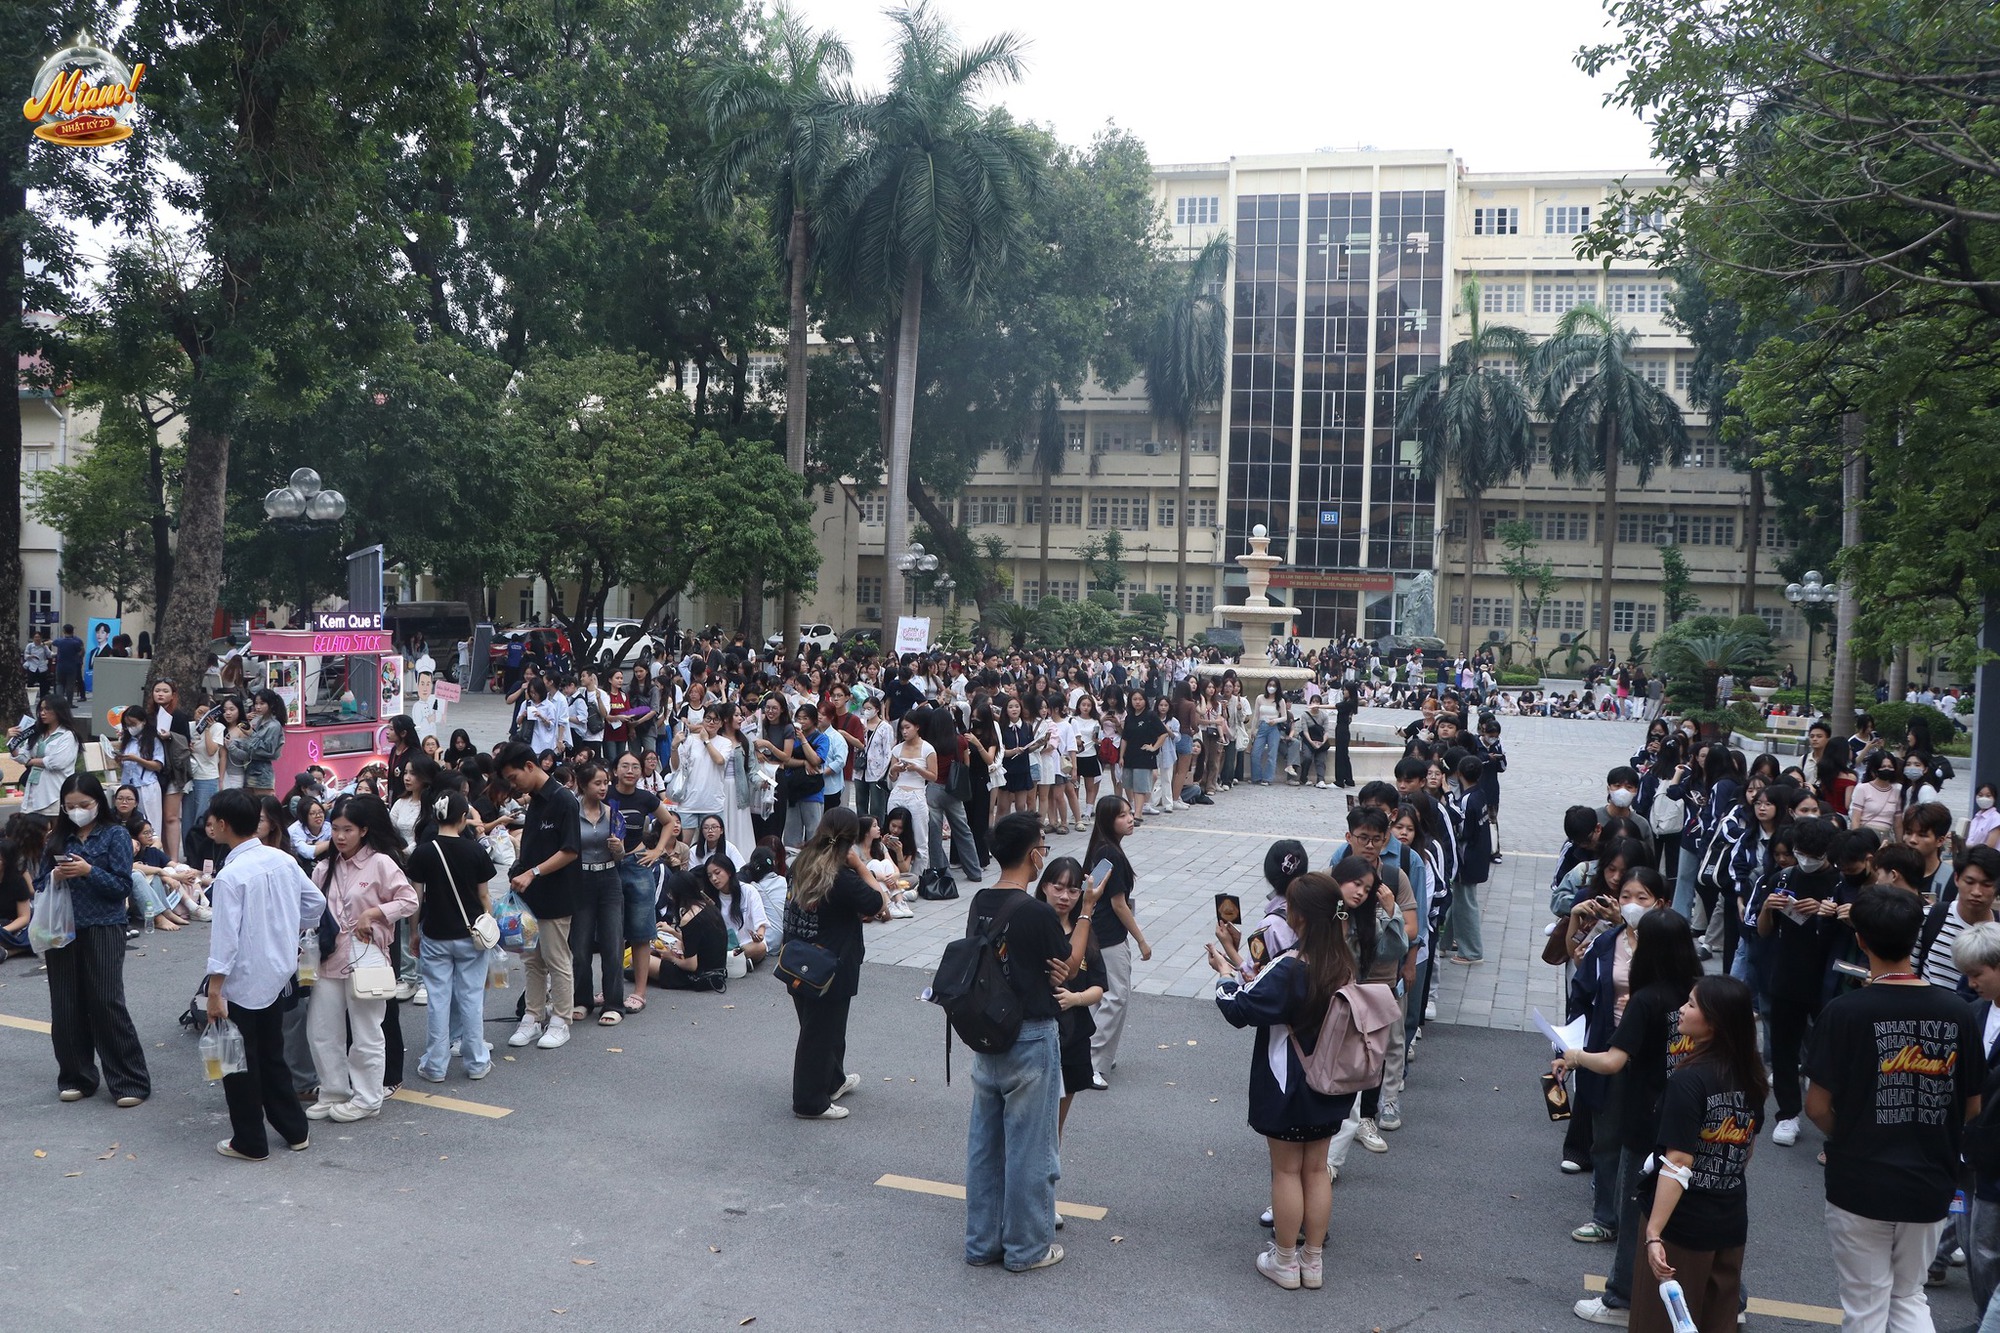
[1260,620]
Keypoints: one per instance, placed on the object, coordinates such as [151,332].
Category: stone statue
[1420,606]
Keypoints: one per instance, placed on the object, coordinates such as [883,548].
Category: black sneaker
[1935,1277]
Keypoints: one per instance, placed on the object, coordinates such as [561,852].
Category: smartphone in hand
[1099,874]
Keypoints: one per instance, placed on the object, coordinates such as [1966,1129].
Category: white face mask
[82,818]
[1983,802]
[1912,771]
[1812,865]
[1631,912]
[1621,798]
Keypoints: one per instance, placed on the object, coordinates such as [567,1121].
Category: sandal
[634,1003]
[578,1014]
[610,1018]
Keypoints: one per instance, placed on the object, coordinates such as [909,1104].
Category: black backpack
[593,716]
[971,986]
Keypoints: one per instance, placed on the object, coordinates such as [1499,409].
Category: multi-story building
[1348,271]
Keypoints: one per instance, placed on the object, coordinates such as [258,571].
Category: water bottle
[1677,1307]
[235,1059]
[147,924]
[308,958]
[496,972]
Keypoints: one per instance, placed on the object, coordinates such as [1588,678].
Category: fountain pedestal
[1260,620]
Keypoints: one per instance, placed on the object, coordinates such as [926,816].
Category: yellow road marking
[1805,1314]
[1088,1212]
[25,1024]
[450,1104]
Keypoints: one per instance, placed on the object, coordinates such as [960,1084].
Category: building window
[1492,612]
[1774,538]
[1570,615]
[1654,368]
[1128,512]
[1110,441]
[1202,513]
[1496,221]
[1634,618]
[1065,509]
[868,590]
[1457,609]
[526,605]
[1565,219]
[1700,453]
[1490,521]
[1637,298]
[1541,448]
[41,606]
[1504,366]
[1637,525]
[1202,441]
[873,509]
[1555,298]
[1197,210]
[1073,437]
[1100,510]
[1782,621]
[989,510]
[1166,513]
[1683,370]
[1501,298]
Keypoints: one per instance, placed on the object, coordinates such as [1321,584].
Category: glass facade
[1339,313]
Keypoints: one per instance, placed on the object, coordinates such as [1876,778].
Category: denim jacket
[258,752]
[98,899]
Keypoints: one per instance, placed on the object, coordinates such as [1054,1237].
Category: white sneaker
[1430,1011]
[405,989]
[422,997]
[529,1029]
[321,1110]
[1369,1137]
[852,1082]
[1595,1311]
[1322,785]
[1785,1133]
[348,1112]
[204,913]
[557,1035]
[830,1113]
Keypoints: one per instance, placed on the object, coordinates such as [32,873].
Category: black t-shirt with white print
[1899,1062]
[1650,1036]
[1705,1115]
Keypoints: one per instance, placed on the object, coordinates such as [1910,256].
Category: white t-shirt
[203,766]
[704,776]
[912,779]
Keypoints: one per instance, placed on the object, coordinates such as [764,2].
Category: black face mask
[1860,881]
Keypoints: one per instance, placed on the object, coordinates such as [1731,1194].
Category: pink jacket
[354,886]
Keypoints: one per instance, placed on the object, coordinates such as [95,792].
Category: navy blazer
[1592,992]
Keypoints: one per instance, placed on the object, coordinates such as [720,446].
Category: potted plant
[1763,686]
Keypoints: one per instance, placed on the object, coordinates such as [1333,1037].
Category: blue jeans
[455,976]
[1010,1154]
[200,792]
[1684,877]
[1264,752]
[642,900]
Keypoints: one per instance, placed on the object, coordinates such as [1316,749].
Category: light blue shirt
[263,902]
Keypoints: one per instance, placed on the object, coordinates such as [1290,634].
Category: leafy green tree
[1148,617]
[272,130]
[1104,560]
[1704,658]
[1187,350]
[1471,421]
[786,118]
[1677,597]
[1603,412]
[1527,573]
[935,193]
[104,507]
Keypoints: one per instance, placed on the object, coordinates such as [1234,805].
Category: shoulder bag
[805,968]
[485,932]
[372,977]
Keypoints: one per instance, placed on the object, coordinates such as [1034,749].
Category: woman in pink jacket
[1877,803]
[367,894]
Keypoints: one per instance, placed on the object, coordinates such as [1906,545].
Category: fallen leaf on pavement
[557,1309]
[615,1050]
[745,1323]
[68,1174]
[1117,1240]
[40,1153]
[584,1263]
[714,1249]
[108,1153]
[131,1157]
[1190,1041]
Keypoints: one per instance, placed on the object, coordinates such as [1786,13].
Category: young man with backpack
[1011,1166]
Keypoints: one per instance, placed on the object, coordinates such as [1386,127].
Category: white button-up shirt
[262,902]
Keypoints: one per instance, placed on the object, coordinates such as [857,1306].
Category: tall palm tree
[1051,447]
[1603,412]
[936,192]
[786,118]
[1471,420]
[1186,350]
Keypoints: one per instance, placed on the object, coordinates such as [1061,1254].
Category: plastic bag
[222,1050]
[518,927]
[52,923]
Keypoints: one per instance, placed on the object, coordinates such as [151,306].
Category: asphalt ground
[652,1176]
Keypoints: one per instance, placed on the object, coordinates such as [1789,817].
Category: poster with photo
[285,676]
[97,637]
[391,683]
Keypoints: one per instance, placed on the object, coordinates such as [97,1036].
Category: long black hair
[62,832]
[371,816]
[1315,908]
[1664,954]
[1361,923]
[1732,1043]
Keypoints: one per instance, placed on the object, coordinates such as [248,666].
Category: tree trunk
[1747,603]
[13,283]
[1181,595]
[1899,674]
[156,493]
[1610,537]
[1048,493]
[896,521]
[1853,490]
[1473,534]
[795,393]
[180,648]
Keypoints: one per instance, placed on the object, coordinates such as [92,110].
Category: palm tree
[1050,449]
[789,117]
[1602,412]
[936,191]
[1707,657]
[1186,350]
[1470,419]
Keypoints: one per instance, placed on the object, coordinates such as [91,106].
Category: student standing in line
[263,903]
[1114,926]
[1897,1043]
[1011,1159]
[89,856]
[828,902]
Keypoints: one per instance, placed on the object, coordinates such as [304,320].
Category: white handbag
[485,932]
[371,980]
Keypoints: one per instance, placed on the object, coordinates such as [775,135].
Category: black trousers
[392,1044]
[597,940]
[88,1021]
[1343,763]
[1790,1017]
[265,1088]
[979,814]
[819,1065]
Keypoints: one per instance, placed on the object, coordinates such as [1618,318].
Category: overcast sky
[1203,82]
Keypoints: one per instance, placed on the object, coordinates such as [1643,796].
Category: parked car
[862,637]
[620,644]
[821,637]
[546,647]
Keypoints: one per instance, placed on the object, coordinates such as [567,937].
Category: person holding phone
[89,856]
[1063,887]
[1114,926]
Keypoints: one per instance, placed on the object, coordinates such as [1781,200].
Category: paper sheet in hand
[1564,1037]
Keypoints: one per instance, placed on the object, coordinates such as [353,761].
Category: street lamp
[1806,596]
[915,561]
[943,586]
[303,499]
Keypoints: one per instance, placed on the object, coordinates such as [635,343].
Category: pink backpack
[1353,1039]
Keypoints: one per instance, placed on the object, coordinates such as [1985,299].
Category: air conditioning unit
[871,613]
[1493,636]
[1151,448]
[1565,639]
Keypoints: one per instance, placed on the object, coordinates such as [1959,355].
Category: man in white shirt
[263,903]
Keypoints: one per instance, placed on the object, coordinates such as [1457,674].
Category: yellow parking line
[915,1185]
[25,1024]
[450,1104]
[1805,1314]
